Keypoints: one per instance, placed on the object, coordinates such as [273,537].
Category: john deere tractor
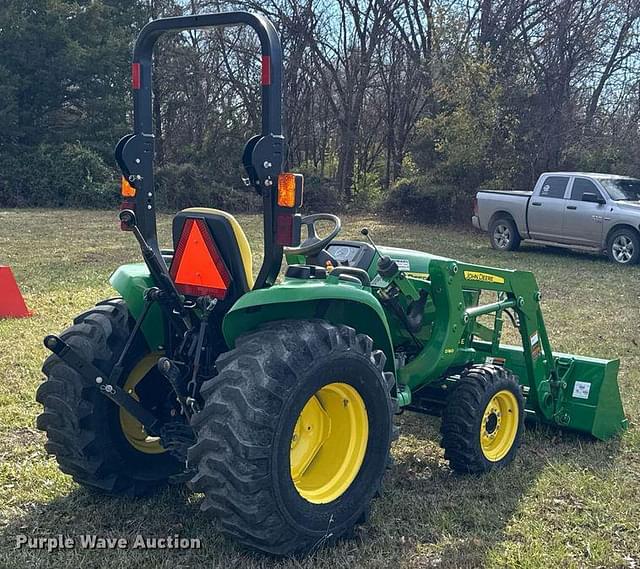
[275,397]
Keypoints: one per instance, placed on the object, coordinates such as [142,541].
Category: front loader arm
[567,390]
[455,321]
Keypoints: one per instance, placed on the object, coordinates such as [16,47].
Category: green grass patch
[567,501]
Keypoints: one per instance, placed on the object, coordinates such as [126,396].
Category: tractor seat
[230,240]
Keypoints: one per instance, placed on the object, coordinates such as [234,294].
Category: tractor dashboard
[352,253]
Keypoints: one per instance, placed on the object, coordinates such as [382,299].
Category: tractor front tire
[86,430]
[294,436]
[483,422]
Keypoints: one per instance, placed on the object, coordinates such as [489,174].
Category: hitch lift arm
[93,376]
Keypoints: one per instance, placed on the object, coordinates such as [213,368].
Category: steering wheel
[312,245]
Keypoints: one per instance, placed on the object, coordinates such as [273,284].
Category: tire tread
[235,428]
[460,420]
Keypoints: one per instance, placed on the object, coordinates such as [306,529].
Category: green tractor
[275,398]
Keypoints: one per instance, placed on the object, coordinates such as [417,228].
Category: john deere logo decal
[483,277]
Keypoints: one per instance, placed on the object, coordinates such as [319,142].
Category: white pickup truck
[597,212]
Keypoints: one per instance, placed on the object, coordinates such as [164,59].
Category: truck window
[627,189]
[582,186]
[554,187]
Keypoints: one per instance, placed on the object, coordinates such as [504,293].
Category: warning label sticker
[535,345]
[581,390]
[403,264]
[378,281]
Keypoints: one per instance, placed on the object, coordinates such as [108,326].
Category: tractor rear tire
[255,430]
[84,428]
[483,422]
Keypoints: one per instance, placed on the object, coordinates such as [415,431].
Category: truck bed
[513,202]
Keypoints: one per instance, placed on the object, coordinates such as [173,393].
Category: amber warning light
[289,199]
[126,189]
[290,188]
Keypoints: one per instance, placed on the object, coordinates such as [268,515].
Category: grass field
[567,501]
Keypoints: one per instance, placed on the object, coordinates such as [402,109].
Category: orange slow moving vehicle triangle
[198,268]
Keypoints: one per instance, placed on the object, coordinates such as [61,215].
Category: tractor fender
[130,281]
[335,301]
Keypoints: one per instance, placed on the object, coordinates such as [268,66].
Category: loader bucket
[592,396]
[591,402]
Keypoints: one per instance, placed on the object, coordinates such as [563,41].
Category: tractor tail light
[288,229]
[127,204]
[128,192]
[288,200]
[284,229]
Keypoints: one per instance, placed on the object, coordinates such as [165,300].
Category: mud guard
[336,302]
[130,281]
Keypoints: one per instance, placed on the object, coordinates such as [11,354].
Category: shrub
[320,193]
[184,185]
[56,176]
[421,199]
[72,175]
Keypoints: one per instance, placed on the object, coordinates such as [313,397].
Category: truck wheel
[483,423]
[293,439]
[624,246]
[101,446]
[504,235]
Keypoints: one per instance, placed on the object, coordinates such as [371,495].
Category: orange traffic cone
[12,304]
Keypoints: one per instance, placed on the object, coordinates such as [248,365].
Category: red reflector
[135,75]
[197,267]
[284,230]
[266,70]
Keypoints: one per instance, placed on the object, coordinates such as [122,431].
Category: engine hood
[629,206]
[416,263]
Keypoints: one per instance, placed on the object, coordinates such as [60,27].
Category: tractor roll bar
[264,154]
[272,67]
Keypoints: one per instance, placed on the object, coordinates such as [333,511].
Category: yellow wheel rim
[499,425]
[328,443]
[132,429]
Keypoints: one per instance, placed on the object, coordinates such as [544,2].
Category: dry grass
[566,502]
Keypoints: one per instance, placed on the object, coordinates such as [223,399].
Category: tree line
[406,104]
